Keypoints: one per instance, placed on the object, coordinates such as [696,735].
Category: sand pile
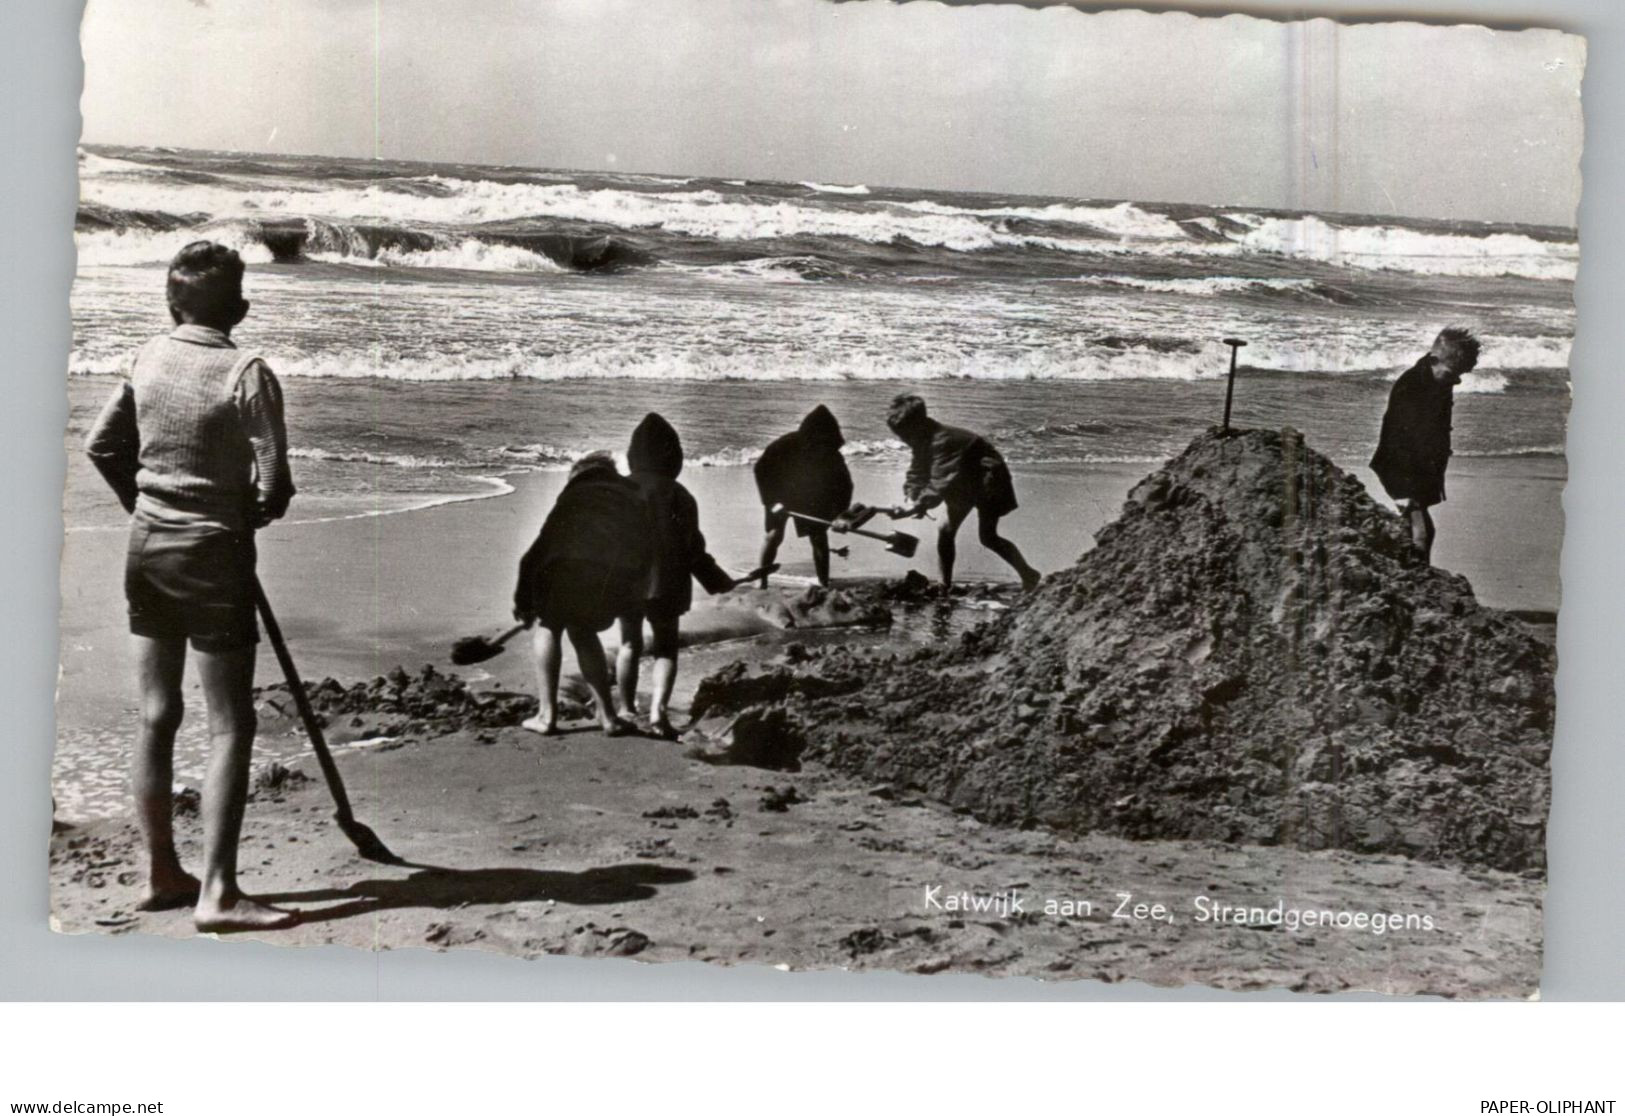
[1251,653]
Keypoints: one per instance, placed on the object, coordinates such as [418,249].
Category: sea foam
[1116,228]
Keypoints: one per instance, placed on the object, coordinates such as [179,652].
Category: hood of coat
[655,448]
[820,428]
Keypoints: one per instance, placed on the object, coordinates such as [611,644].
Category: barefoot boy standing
[194,446]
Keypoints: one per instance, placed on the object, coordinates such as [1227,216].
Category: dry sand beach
[633,847]
[592,846]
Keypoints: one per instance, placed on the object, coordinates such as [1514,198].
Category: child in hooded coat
[804,471]
[654,458]
[589,565]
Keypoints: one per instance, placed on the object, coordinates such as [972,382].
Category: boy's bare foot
[663,729]
[1030,580]
[242,913]
[170,893]
[541,727]
[619,726]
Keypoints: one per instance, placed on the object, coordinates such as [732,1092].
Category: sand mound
[1251,653]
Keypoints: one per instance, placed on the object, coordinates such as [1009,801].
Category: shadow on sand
[445,888]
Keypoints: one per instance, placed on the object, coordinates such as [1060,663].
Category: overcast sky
[1377,118]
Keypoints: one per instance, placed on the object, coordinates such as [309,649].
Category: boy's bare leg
[820,549]
[987,528]
[946,551]
[549,654]
[627,660]
[595,669]
[665,675]
[1422,530]
[160,665]
[770,548]
[228,689]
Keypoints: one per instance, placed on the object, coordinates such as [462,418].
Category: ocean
[441,326]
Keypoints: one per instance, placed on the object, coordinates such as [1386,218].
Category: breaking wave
[467,254]
[1124,219]
[1151,359]
[394,460]
[1110,229]
[1210,286]
[826,188]
[1395,248]
[260,242]
[781,269]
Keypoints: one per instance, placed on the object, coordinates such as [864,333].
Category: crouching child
[589,565]
[803,471]
[963,472]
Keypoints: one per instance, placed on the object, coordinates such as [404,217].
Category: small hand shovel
[476,649]
[898,542]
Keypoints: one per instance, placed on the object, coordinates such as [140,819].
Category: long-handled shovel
[898,542]
[363,838]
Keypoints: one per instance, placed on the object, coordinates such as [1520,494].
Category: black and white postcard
[937,488]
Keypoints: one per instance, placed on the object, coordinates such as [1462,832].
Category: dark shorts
[996,495]
[774,521]
[987,487]
[192,583]
[575,593]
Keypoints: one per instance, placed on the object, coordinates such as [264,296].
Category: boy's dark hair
[1461,340]
[206,282]
[906,411]
[595,461]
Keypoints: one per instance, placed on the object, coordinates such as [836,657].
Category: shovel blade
[366,842]
[904,545]
[474,649]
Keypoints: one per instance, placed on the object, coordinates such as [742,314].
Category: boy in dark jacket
[963,471]
[804,471]
[1414,446]
[589,564]
[654,458]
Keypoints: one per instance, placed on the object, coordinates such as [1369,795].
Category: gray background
[40,73]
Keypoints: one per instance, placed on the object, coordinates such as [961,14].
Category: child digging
[194,446]
[805,472]
[654,458]
[963,471]
[589,564]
